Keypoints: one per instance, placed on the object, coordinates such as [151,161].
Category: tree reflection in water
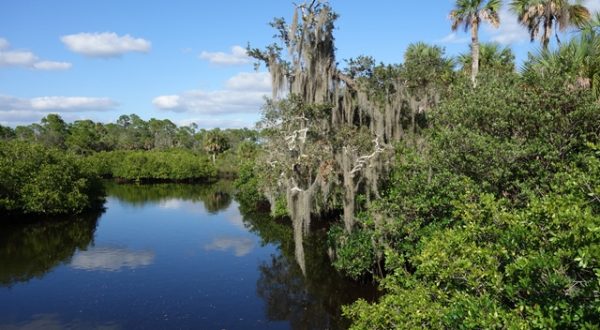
[311,300]
[31,249]
[308,301]
[215,197]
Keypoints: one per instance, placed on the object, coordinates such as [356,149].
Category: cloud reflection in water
[111,259]
[241,246]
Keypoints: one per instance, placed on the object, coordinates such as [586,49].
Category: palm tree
[577,61]
[492,57]
[215,143]
[547,15]
[469,14]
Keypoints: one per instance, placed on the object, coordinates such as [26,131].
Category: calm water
[167,256]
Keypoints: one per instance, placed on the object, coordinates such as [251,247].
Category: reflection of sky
[53,322]
[170,204]
[231,214]
[179,204]
[241,246]
[194,269]
[111,259]
[234,217]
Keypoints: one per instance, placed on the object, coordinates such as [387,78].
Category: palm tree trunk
[547,34]
[474,50]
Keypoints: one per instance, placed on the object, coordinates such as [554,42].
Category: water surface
[167,256]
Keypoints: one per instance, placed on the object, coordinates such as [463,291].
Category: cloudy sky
[185,60]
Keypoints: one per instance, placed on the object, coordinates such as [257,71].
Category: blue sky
[184,60]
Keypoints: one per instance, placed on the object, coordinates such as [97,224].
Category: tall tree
[470,14]
[546,16]
[577,62]
[328,135]
[54,131]
[215,143]
[83,137]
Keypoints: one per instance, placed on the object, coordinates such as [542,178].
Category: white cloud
[244,93]
[106,44]
[55,103]
[212,102]
[250,81]
[17,58]
[52,65]
[238,56]
[453,38]
[167,102]
[21,117]
[4,44]
[20,111]
[62,103]
[27,59]
[111,259]
[510,30]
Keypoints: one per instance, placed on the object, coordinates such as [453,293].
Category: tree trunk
[214,159]
[349,191]
[547,35]
[474,50]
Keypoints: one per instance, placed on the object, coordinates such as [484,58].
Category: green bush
[34,179]
[172,165]
[494,221]
[354,252]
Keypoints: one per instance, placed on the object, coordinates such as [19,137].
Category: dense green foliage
[490,215]
[486,216]
[172,165]
[34,179]
[53,167]
[118,149]
[130,132]
[494,222]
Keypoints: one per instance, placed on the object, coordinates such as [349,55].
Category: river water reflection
[167,256]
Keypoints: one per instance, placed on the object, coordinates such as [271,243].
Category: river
[167,256]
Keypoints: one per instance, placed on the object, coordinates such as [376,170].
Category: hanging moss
[330,136]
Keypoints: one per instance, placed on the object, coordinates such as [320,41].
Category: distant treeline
[54,167]
[130,132]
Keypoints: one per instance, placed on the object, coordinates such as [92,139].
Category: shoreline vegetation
[468,189]
[469,192]
[55,168]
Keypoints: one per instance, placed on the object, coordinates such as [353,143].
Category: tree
[576,62]
[163,132]
[546,16]
[328,134]
[469,14]
[185,136]
[491,225]
[83,137]
[215,143]
[492,57]
[54,131]
[6,132]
